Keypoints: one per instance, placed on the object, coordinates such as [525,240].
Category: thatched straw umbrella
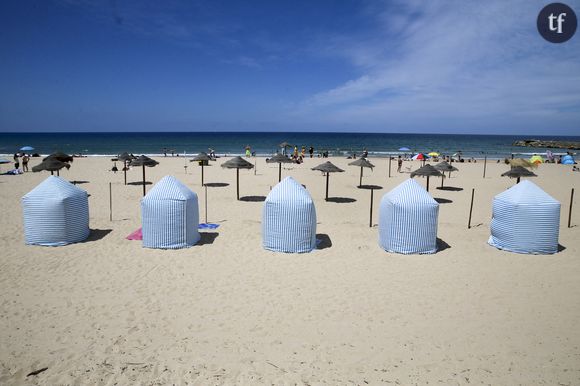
[125,157]
[202,158]
[59,155]
[328,167]
[52,165]
[143,161]
[426,171]
[518,172]
[280,159]
[445,167]
[363,163]
[284,145]
[237,163]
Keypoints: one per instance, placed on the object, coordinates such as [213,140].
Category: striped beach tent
[525,220]
[170,215]
[56,213]
[289,219]
[408,220]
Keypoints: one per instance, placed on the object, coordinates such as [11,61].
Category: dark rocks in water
[548,144]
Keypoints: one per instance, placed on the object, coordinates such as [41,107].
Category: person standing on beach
[16,161]
[311,151]
[25,160]
[399,164]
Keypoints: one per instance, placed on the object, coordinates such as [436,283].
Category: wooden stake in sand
[110,201]
[570,211]
[390,158]
[484,165]
[470,209]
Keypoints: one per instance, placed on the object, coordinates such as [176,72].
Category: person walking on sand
[399,164]
[25,160]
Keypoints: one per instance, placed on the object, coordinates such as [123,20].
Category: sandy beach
[226,311]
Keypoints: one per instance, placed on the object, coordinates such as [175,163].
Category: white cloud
[454,64]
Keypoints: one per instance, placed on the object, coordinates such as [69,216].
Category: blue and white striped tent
[56,213]
[289,219]
[408,220]
[525,220]
[170,215]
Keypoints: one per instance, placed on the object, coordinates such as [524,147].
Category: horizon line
[278,132]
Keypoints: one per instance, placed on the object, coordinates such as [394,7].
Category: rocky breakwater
[548,144]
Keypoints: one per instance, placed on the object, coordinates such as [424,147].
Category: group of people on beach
[25,159]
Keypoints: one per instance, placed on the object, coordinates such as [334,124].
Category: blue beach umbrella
[404,149]
[26,148]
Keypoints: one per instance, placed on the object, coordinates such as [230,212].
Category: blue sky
[441,66]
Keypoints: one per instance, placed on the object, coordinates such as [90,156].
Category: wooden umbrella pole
[125,170]
[570,211]
[327,175]
[205,186]
[390,166]
[143,180]
[110,202]
[238,183]
[484,165]
[361,175]
[279,171]
[427,183]
[442,178]
[202,184]
[371,212]
[470,209]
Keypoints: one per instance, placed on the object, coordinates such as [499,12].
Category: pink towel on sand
[137,235]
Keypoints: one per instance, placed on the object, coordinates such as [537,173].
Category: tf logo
[557,22]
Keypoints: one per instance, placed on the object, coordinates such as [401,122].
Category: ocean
[266,143]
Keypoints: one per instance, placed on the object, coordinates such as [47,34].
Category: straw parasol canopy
[328,167]
[237,163]
[125,157]
[518,172]
[363,163]
[279,159]
[143,161]
[284,145]
[445,167]
[202,158]
[50,164]
[427,171]
[59,155]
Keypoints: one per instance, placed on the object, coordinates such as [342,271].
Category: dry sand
[107,311]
